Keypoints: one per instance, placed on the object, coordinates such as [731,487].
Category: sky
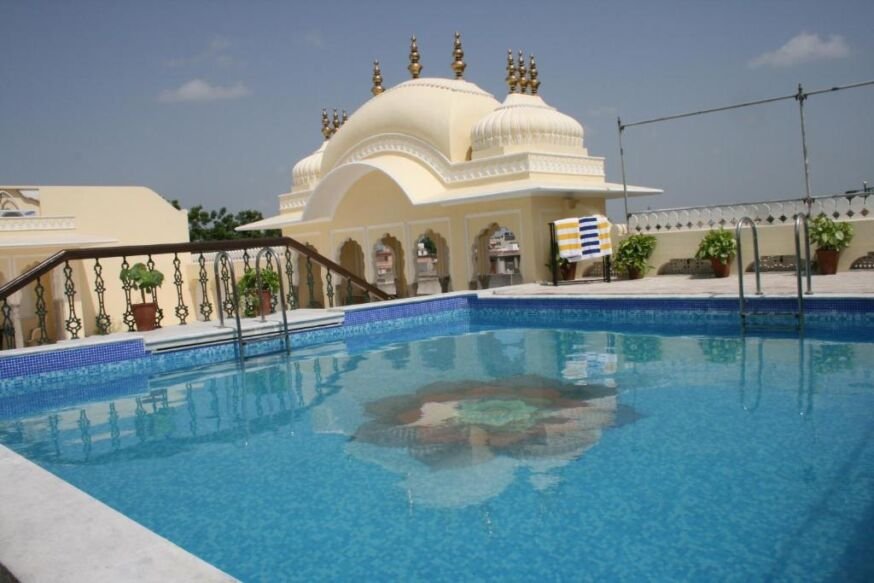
[212,103]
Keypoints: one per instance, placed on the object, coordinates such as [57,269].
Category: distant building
[443,159]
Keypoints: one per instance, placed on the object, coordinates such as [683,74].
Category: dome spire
[326,125]
[414,68]
[523,80]
[533,82]
[335,125]
[377,79]
[511,79]
[344,119]
[458,65]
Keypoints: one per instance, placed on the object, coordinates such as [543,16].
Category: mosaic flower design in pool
[460,443]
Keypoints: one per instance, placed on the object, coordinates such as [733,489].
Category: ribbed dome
[526,120]
[308,171]
[439,112]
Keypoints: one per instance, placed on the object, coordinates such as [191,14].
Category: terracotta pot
[144,315]
[720,269]
[827,261]
[265,297]
[568,272]
[634,273]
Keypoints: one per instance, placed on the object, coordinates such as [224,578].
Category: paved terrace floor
[856,283]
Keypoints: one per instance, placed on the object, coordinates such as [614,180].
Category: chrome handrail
[271,253]
[218,295]
[801,219]
[740,265]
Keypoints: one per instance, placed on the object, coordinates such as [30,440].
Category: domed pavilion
[434,185]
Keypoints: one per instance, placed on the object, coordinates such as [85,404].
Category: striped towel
[583,238]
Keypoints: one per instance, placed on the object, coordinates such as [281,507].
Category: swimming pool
[491,447]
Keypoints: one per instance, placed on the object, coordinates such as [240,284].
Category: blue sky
[213,102]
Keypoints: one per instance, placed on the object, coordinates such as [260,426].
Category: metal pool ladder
[798,313]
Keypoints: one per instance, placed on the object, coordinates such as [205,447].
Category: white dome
[439,112]
[526,120]
[308,171]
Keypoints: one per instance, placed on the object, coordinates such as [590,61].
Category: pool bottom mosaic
[718,315]
[464,451]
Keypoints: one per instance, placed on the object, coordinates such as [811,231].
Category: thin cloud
[200,90]
[215,52]
[314,38]
[804,48]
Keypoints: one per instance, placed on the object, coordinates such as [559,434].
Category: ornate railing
[778,212]
[284,249]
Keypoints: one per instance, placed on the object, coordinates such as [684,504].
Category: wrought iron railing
[283,247]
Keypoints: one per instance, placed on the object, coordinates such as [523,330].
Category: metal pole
[622,165]
[800,97]
[553,248]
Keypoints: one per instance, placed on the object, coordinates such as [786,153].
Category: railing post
[329,288]
[181,308]
[73,324]
[348,290]
[311,283]
[205,305]
[159,314]
[126,285]
[292,298]
[7,330]
[41,311]
[102,320]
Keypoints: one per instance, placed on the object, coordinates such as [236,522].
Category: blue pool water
[478,452]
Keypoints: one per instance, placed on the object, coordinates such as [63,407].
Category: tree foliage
[220,225]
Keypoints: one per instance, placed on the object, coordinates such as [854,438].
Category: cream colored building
[444,159]
[38,221]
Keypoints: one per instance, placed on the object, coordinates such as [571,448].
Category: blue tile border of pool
[98,362]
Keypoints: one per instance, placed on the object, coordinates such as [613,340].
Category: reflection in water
[642,348]
[470,436]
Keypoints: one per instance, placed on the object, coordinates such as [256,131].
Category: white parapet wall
[679,231]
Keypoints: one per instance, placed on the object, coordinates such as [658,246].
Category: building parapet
[779,212]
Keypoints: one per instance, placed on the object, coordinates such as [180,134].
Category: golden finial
[335,125]
[512,79]
[458,65]
[377,79]
[415,68]
[523,80]
[326,125]
[344,118]
[533,82]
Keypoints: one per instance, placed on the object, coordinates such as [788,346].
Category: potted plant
[633,253]
[719,247]
[146,281]
[830,239]
[257,301]
[566,269]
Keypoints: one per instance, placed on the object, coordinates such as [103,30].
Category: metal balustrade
[72,321]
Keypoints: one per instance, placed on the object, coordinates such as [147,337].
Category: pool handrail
[269,252]
[222,258]
[740,265]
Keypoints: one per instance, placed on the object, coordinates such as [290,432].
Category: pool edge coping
[48,544]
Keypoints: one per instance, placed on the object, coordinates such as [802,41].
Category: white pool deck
[51,531]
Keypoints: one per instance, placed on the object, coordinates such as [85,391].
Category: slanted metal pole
[800,97]
[622,166]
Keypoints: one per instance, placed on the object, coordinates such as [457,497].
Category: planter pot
[144,316]
[634,273]
[264,297]
[827,261]
[720,269]
[568,272]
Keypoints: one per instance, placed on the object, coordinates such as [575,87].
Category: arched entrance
[351,257]
[388,266]
[432,264]
[496,257]
[309,282]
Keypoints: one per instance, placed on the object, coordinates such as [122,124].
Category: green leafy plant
[142,278]
[828,235]
[717,244]
[556,258]
[634,251]
[248,292]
